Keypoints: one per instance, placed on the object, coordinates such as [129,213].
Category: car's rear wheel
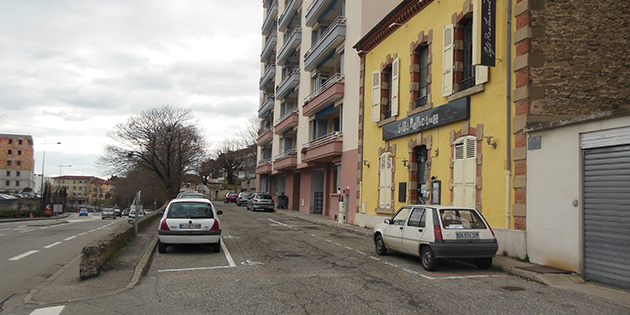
[216,247]
[161,247]
[429,262]
[483,263]
[379,244]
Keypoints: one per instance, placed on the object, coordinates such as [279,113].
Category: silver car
[261,201]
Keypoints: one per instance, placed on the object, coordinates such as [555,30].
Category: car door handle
[401,227]
[420,230]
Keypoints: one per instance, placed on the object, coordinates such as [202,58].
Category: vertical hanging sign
[488,32]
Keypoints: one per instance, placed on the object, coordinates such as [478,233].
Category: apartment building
[17,163]
[308,147]
[77,187]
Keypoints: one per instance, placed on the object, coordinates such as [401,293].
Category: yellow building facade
[435,124]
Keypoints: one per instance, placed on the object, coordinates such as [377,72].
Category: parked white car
[434,232]
[189,221]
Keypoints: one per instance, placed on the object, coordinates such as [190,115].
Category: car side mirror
[161,212]
[219,212]
[388,221]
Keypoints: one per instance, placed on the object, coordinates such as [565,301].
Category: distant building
[16,162]
[84,190]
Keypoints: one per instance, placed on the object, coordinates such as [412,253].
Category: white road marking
[227,255]
[194,269]
[276,222]
[53,244]
[55,310]
[18,257]
[1,234]
[69,238]
[251,263]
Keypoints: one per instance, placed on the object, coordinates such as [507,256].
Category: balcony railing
[286,115]
[341,20]
[270,45]
[272,13]
[263,162]
[334,79]
[292,41]
[267,104]
[292,80]
[270,71]
[289,9]
[321,140]
[285,154]
[315,10]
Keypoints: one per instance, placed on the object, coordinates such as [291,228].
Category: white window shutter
[376,96]
[481,75]
[447,62]
[394,88]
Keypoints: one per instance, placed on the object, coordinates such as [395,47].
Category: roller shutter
[606,210]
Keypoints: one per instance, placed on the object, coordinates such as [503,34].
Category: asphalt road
[274,264]
[30,252]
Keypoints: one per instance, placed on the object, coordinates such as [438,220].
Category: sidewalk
[547,275]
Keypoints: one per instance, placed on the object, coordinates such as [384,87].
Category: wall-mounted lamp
[493,144]
[406,164]
[433,177]
[366,163]
[395,24]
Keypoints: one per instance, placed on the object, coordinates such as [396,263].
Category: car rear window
[461,219]
[190,210]
[264,196]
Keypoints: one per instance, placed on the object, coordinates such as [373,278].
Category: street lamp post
[62,166]
[43,203]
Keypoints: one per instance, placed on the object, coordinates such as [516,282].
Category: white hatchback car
[189,221]
[433,232]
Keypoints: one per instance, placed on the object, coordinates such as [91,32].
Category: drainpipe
[362,129]
[508,97]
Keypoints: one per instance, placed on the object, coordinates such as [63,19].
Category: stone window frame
[387,148]
[423,42]
[467,130]
[385,69]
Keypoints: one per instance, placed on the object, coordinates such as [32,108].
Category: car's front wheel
[483,263]
[429,262]
[380,245]
[161,247]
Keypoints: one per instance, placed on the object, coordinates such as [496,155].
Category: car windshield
[190,210]
[461,219]
[245,195]
[264,196]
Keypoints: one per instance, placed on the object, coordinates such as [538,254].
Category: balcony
[268,76]
[266,106]
[265,137]
[288,84]
[291,44]
[325,45]
[264,166]
[272,14]
[318,10]
[290,9]
[286,121]
[324,96]
[324,149]
[270,46]
[285,161]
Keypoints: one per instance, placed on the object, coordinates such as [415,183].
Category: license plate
[468,235]
[188,226]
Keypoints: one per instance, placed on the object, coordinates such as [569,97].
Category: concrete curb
[141,268]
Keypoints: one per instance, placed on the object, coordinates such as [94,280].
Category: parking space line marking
[69,238]
[194,269]
[375,258]
[53,244]
[18,257]
[227,255]
[274,221]
[55,310]
[1,234]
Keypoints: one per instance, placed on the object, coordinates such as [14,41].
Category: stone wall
[95,254]
[584,64]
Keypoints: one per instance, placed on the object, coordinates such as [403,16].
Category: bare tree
[164,141]
[249,134]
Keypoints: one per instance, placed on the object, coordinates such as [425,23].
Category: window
[417,218]
[286,145]
[9,163]
[385,181]
[8,173]
[9,152]
[468,79]
[19,152]
[423,77]
[20,141]
[385,92]
[19,163]
[318,79]
[401,217]
[461,219]
[338,177]
[17,183]
[17,174]
[319,128]
[10,141]
[8,183]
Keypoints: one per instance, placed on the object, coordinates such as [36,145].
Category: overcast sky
[72,69]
